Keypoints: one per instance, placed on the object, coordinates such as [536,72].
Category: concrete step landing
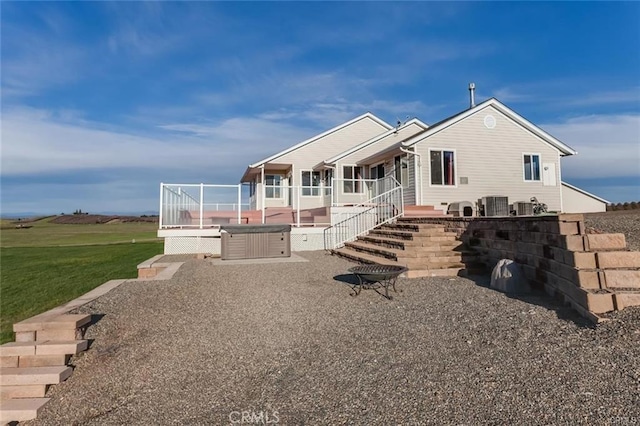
[19,410]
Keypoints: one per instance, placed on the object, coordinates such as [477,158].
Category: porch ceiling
[251,172]
[382,155]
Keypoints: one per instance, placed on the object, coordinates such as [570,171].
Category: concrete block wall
[593,272]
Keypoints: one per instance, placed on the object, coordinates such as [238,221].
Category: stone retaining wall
[593,272]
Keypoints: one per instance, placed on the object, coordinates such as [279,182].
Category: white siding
[491,160]
[577,202]
[330,145]
[384,143]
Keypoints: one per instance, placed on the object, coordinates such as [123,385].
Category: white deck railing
[381,209]
[200,205]
[210,205]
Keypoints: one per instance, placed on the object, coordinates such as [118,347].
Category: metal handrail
[386,207]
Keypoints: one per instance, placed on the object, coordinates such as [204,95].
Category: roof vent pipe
[472,95]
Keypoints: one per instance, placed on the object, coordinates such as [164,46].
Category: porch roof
[269,167]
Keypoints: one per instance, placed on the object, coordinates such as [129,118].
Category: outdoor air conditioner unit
[495,205]
[523,208]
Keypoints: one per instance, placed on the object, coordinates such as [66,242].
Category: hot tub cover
[255,229]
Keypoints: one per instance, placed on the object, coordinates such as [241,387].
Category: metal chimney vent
[472,95]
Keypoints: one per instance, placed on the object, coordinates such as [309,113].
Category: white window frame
[275,187]
[312,187]
[455,168]
[353,180]
[524,176]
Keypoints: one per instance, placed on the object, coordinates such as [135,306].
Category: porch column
[264,193]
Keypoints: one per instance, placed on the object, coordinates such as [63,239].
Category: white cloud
[607,145]
[37,142]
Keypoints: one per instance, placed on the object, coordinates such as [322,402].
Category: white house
[366,166]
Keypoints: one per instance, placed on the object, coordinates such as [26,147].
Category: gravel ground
[287,342]
[626,222]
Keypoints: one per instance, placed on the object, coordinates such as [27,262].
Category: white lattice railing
[379,210]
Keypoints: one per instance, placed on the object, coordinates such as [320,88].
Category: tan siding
[491,159]
[330,145]
[382,144]
[576,202]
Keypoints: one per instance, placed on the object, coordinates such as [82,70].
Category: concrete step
[24,391]
[58,322]
[43,360]
[373,250]
[387,241]
[361,257]
[447,272]
[413,227]
[390,233]
[423,269]
[35,375]
[414,208]
[10,361]
[53,347]
[19,410]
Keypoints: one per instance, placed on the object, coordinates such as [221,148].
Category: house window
[443,170]
[310,183]
[272,186]
[531,167]
[352,183]
[401,165]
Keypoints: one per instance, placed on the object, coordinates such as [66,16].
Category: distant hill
[85,219]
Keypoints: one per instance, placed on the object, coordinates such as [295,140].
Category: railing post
[201,204]
[239,203]
[160,215]
[298,206]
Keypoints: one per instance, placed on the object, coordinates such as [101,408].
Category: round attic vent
[490,122]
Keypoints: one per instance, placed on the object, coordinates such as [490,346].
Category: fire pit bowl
[376,276]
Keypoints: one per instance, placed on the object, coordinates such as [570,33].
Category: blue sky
[102,101]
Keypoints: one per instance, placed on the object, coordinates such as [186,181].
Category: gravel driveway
[286,343]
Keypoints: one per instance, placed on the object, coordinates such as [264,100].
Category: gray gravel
[288,340]
[626,222]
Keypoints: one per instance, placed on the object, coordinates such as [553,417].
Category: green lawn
[50,264]
[44,233]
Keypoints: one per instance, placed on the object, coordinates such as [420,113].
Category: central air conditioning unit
[495,205]
[523,208]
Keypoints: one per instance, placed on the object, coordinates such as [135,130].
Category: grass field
[44,233]
[48,264]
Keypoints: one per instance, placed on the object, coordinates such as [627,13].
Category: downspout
[264,193]
[417,172]
[560,181]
